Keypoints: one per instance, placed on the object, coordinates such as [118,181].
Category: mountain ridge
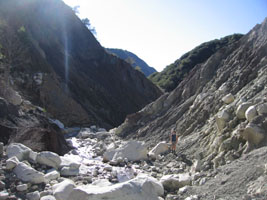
[134,60]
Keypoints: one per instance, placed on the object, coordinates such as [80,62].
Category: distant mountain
[174,73]
[134,60]
[49,56]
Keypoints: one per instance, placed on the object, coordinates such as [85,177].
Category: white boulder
[141,187]
[62,190]
[11,163]
[229,98]
[241,110]
[52,175]
[132,150]
[68,171]
[251,113]
[160,148]
[28,174]
[22,187]
[49,158]
[48,197]
[19,150]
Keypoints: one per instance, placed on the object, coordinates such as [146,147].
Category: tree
[87,23]
[76,9]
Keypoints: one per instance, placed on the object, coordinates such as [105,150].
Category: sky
[160,31]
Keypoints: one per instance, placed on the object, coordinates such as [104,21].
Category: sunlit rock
[63,190]
[160,148]
[141,187]
[221,119]
[18,150]
[48,158]
[229,98]
[241,110]
[132,150]
[28,174]
[251,113]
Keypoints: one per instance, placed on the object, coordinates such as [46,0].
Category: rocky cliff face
[219,109]
[134,60]
[54,61]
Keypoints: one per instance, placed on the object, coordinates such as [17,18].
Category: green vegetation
[174,73]
[136,62]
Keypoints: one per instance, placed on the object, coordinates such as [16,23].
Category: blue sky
[160,31]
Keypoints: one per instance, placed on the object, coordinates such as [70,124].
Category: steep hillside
[174,73]
[54,61]
[134,60]
[219,111]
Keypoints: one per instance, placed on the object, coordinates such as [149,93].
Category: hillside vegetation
[136,62]
[174,73]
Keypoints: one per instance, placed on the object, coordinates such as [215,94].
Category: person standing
[174,140]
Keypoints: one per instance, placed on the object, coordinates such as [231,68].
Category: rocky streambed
[102,166]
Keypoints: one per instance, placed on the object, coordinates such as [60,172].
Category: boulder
[19,150]
[197,166]
[4,195]
[170,182]
[62,190]
[141,187]
[49,158]
[221,119]
[251,113]
[173,182]
[22,187]
[241,110]
[160,148]
[11,163]
[253,134]
[132,151]
[262,109]
[68,171]
[48,197]
[52,175]
[229,98]
[28,174]
[33,195]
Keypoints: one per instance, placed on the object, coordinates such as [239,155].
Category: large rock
[28,174]
[160,148]
[170,182]
[173,182]
[221,119]
[49,158]
[241,110]
[253,134]
[251,113]
[141,187]
[132,150]
[19,150]
[11,163]
[229,98]
[262,108]
[63,190]
[52,175]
